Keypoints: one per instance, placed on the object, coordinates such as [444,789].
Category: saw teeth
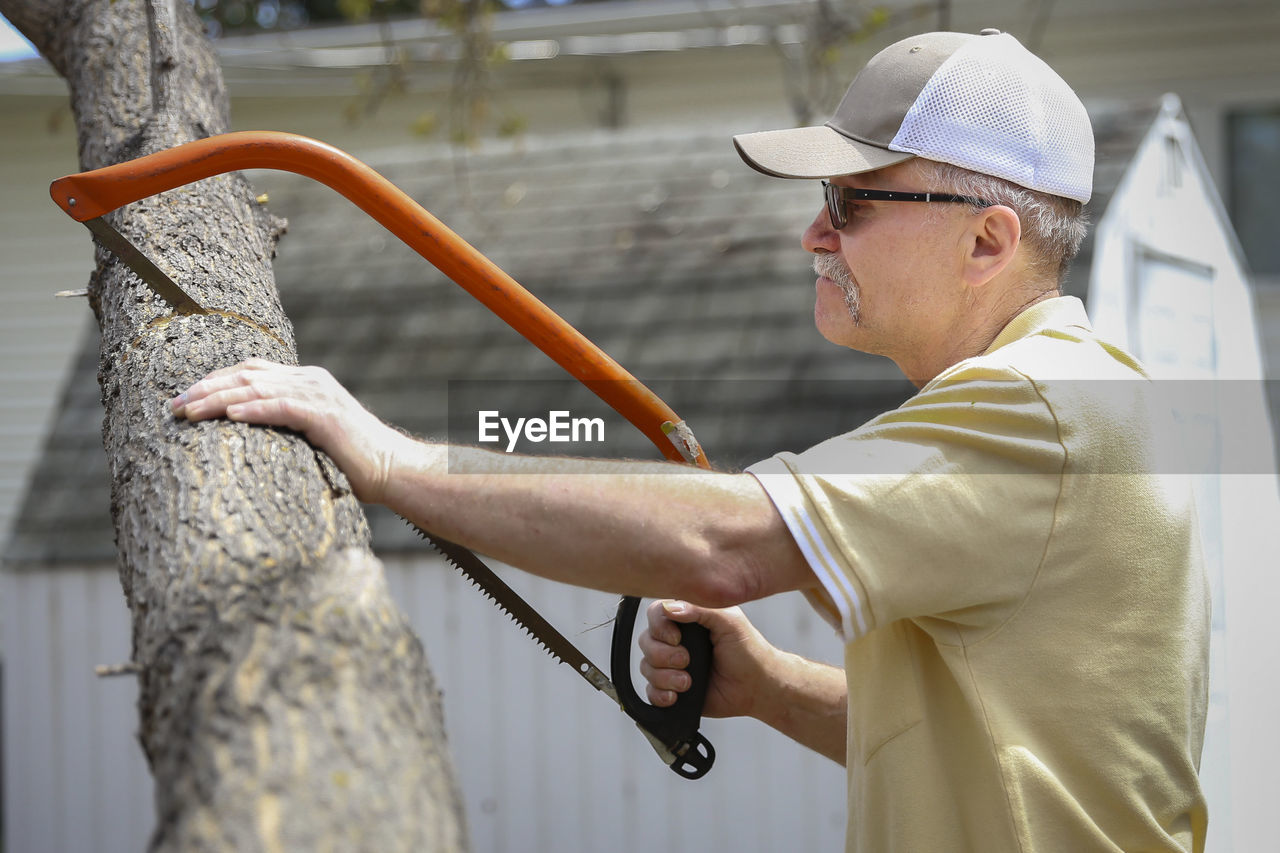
[529,632]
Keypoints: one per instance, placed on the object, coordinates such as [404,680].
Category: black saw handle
[676,727]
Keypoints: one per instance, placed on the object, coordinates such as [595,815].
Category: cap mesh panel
[993,107]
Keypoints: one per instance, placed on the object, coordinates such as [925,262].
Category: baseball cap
[981,102]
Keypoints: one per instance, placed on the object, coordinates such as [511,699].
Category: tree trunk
[284,702]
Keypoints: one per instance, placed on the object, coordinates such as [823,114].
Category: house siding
[546,764]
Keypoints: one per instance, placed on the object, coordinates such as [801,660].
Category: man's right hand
[740,658]
[805,700]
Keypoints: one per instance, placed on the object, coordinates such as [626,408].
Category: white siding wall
[546,763]
[41,252]
[74,776]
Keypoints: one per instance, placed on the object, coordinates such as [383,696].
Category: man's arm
[639,528]
[805,700]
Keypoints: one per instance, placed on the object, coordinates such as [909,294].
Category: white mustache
[833,267]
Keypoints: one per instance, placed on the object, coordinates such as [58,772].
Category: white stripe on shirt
[788,498]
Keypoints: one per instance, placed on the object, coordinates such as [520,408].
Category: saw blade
[152,276]
[520,611]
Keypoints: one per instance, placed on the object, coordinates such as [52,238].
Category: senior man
[1020,593]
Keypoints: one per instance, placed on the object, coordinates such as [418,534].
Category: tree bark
[284,703]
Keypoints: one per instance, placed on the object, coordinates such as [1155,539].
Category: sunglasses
[838,199]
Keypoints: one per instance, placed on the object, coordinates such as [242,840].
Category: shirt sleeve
[941,508]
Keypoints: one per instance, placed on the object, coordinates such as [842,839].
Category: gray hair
[1053,227]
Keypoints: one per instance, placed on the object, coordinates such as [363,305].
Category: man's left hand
[307,400]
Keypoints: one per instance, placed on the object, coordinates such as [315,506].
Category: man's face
[889,280]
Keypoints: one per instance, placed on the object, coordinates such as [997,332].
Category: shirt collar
[1055,313]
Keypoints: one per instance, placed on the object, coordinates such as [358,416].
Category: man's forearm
[641,528]
[809,703]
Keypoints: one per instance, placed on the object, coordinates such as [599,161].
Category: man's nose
[820,236]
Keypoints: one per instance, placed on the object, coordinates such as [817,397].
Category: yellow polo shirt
[1018,580]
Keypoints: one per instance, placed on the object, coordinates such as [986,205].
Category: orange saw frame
[89,195]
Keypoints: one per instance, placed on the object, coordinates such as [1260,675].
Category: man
[1020,593]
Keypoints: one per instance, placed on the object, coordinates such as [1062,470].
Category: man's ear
[990,244]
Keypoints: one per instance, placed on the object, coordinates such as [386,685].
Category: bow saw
[88,196]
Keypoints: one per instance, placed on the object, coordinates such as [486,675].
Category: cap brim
[812,152]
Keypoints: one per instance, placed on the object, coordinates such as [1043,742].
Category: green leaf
[512,125]
[355,10]
[425,124]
